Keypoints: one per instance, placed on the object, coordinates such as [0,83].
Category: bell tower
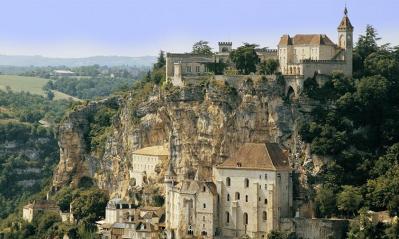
[345,41]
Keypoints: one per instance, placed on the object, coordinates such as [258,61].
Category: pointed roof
[345,22]
[260,156]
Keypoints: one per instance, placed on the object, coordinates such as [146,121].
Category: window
[228,197]
[265,175]
[245,218]
[246,182]
[203,218]
[197,69]
[237,196]
[188,69]
[264,216]
[227,217]
[265,201]
[246,198]
[204,205]
[265,186]
[228,182]
[204,189]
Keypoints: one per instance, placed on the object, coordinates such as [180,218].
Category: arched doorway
[290,93]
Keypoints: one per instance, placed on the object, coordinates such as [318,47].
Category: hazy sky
[74,28]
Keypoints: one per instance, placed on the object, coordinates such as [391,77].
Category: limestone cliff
[203,124]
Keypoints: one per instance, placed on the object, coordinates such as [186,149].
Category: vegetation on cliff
[357,128]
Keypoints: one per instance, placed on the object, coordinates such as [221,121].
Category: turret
[225,47]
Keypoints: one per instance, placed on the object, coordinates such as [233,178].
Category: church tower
[345,41]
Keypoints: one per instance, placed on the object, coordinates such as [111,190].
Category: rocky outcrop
[203,124]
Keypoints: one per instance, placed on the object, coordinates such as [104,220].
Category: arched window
[204,205]
[228,182]
[264,216]
[245,218]
[246,182]
[237,196]
[265,201]
[227,217]
[203,188]
[228,197]
[246,198]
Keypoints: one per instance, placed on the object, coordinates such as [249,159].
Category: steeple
[345,24]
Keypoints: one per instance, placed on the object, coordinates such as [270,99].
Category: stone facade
[191,207]
[249,194]
[124,220]
[32,209]
[305,55]
[146,162]
[255,191]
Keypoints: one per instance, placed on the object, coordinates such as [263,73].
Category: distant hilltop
[23,61]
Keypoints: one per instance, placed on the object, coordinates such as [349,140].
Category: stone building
[30,210]
[304,55]
[183,68]
[255,190]
[124,220]
[249,194]
[191,207]
[146,162]
[300,57]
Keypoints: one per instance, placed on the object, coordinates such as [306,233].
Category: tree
[89,206]
[50,94]
[275,235]
[202,48]
[161,62]
[366,45]
[245,58]
[382,63]
[325,201]
[269,66]
[349,200]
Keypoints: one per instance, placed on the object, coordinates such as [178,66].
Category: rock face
[203,125]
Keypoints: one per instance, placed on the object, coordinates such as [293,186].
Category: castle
[300,57]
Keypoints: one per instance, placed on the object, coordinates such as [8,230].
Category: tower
[225,47]
[345,41]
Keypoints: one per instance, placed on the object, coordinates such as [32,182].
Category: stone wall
[315,228]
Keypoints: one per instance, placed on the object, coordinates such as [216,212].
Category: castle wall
[315,228]
[325,68]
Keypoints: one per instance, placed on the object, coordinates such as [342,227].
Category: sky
[81,28]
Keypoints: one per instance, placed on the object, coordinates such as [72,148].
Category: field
[33,85]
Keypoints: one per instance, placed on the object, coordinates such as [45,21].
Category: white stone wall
[252,200]
[187,209]
[144,165]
